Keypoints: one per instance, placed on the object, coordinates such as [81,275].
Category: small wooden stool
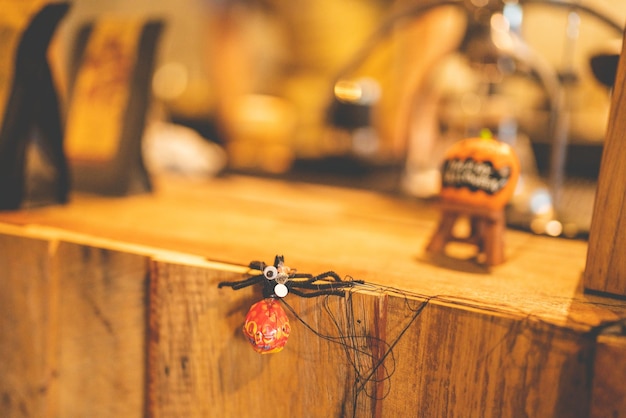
[487,228]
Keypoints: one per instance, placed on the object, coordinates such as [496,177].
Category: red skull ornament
[267,326]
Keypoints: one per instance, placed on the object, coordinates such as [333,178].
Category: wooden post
[606,264]
[609,369]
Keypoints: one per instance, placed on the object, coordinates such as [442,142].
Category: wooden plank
[202,366]
[102,328]
[455,357]
[606,266]
[516,339]
[366,235]
[461,361]
[28,328]
[72,330]
[402,354]
[609,393]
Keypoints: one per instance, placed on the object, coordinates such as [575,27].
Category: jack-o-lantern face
[480,172]
[267,326]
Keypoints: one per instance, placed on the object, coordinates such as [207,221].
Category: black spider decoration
[267,326]
[278,280]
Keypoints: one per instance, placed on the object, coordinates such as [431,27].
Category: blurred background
[369,93]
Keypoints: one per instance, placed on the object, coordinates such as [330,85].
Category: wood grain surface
[28,328]
[370,354]
[377,238]
[606,265]
[608,399]
[72,330]
[425,336]
[101,331]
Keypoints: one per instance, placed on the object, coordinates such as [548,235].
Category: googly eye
[270,272]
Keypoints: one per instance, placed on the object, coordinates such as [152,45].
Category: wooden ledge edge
[154,253]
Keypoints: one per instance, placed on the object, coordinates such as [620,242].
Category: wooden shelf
[118,301]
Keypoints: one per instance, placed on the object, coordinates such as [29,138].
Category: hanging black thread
[353,345]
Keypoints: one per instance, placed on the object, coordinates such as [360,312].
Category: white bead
[281,290]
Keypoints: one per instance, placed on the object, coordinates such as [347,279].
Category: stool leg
[477,232]
[443,234]
[494,242]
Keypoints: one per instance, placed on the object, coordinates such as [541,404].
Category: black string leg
[241,284]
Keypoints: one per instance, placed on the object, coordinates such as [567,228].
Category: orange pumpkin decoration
[480,172]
